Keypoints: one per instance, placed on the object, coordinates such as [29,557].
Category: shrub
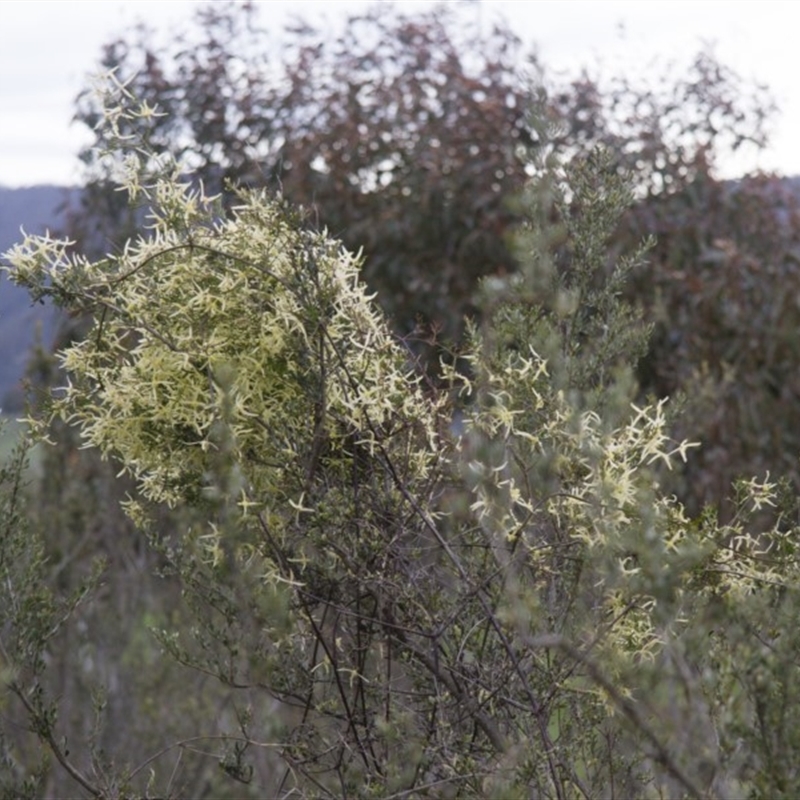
[474,592]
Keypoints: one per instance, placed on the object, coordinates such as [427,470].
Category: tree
[718,282]
[405,135]
[501,610]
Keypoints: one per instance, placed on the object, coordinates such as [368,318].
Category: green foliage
[32,618]
[718,282]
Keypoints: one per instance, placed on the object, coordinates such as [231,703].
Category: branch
[45,733]
[625,705]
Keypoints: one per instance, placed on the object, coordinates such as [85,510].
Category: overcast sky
[49,48]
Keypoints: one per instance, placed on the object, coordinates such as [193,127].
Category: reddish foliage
[405,135]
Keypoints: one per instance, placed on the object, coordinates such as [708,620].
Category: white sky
[50,47]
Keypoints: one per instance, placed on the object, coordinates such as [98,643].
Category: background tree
[718,281]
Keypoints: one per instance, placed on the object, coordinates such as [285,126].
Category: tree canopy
[405,134]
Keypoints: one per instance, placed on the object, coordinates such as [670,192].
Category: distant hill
[34,209]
